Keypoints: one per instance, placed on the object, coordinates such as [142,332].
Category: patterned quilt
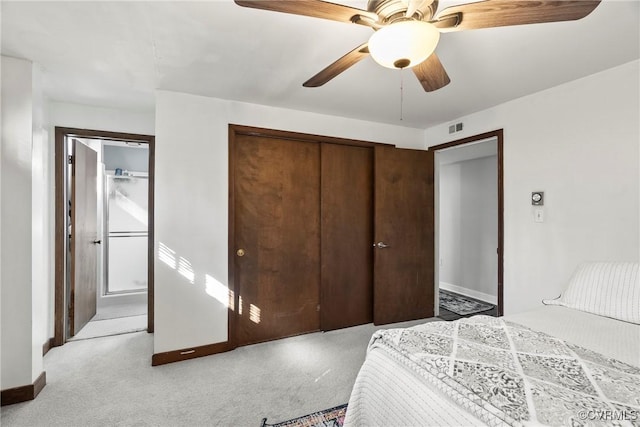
[504,373]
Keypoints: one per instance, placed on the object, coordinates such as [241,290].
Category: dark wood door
[403,222]
[84,237]
[276,186]
[346,291]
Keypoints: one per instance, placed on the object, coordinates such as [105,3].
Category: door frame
[499,135]
[60,195]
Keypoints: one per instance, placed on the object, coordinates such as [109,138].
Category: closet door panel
[277,230]
[346,291]
[404,224]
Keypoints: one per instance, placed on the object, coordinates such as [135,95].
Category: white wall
[19,358]
[578,142]
[27,218]
[192,204]
[450,214]
[42,204]
[1,204]
[101,118]
[133,159]
[468,203]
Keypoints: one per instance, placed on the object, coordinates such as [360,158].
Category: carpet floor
[109,381]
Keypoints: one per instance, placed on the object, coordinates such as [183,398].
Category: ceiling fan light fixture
[403,44]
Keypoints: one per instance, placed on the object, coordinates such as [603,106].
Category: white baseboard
[469,293]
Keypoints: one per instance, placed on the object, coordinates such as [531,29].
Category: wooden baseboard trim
[189,353]
[23,393]
[48,345]
[39,384]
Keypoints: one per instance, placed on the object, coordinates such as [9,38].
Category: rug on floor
[462,305]
[333,417]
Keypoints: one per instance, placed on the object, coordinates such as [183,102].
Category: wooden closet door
[404,223]
[346,290]
[277,228]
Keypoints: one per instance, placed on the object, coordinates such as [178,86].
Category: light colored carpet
[110,382]
[107,327]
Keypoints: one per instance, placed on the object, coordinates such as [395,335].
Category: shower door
[127,232]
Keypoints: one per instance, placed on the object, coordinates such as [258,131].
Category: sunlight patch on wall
[212,287]
[217,290]
[167,255]
[186,270]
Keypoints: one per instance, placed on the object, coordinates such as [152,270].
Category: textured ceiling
[117,53]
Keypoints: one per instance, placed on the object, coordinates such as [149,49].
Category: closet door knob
[380,245]
[240,252]
[97,242]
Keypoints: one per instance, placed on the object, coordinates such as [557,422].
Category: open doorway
[104,234]
[469,226]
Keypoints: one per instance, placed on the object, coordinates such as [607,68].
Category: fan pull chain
[401,92]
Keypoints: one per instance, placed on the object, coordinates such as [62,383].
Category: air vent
[455,128]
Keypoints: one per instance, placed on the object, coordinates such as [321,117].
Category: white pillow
[609,289]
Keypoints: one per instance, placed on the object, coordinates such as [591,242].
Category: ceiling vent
[455,128]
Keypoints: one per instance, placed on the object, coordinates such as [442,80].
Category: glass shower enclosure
[126,231]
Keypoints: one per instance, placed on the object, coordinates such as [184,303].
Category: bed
[573,361]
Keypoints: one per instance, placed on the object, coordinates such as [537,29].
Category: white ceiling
[117,53]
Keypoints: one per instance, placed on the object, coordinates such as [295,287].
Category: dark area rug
[333,417]
[462,305]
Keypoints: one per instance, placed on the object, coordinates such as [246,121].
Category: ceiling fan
[407,31]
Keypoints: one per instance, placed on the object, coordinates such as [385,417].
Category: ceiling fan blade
[315,9]
[500,13]
[431,74]
[351,58]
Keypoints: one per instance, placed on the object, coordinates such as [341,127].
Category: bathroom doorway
[124,192]
[470,226]
[104,275]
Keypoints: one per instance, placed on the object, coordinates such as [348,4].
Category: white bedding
[387,393]
[613,338]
